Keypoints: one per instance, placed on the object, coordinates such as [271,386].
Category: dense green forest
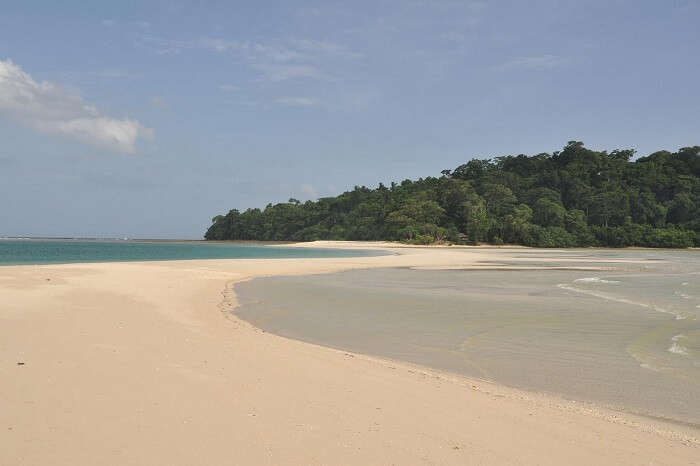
[574,197]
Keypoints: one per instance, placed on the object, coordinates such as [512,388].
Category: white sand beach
[143,363]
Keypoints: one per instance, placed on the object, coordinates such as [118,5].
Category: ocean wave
[681,295]
[677,348]
[595,280]
[616,299]
[649,366]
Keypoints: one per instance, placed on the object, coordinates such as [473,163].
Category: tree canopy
[573,197]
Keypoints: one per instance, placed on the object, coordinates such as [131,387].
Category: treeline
[575,197]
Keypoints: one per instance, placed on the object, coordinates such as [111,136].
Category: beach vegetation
[573,197]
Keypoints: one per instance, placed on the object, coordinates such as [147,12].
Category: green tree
[576,196]
[548,213]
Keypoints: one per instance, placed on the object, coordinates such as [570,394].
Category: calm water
[628,339]
[13,252]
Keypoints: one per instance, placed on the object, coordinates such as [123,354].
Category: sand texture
[144,364]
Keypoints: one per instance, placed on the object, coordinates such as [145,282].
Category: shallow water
[628,339]
[14,252]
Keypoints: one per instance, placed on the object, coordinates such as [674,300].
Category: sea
[626,337]
[39,251]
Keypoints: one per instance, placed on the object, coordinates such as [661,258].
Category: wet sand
[543,330]
[144,363]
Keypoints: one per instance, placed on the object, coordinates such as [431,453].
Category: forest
[575,197]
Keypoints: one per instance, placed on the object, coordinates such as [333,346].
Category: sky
[146,119]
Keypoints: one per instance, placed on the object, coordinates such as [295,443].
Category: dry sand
[142,363]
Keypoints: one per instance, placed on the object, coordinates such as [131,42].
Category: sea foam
[596,280]
[677,315]
[677,348]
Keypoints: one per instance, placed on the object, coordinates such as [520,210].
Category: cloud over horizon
[48,108]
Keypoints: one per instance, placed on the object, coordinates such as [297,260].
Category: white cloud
[115,74]
[277,73]
[276,60]
[255,51]
[282,60]
[325,47]
[297,101]
[48,108]
[162,46]
[228,87]
[219,45]
[535,62]
[274,53]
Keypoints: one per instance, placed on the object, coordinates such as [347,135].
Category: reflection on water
[627,338]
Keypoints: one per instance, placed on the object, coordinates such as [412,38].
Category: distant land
[575,197]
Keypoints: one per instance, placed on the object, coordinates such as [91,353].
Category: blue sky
[146,119]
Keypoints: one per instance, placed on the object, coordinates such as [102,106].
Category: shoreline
[667,427]
[280,315]
[104,328]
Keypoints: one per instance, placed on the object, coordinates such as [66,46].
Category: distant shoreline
[342,244]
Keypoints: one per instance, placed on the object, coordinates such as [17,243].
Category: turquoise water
[17,252]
